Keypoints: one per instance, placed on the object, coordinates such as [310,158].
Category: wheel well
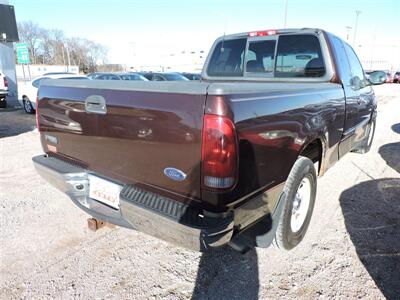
[314,152]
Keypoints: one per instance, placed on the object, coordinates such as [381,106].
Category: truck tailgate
[146,133]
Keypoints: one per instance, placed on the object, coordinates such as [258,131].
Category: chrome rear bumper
[144,211]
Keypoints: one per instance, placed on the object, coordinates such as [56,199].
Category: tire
[292,225]
[3,102]
[366,143]
[28,106]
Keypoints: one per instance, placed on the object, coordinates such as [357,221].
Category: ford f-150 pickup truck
[231,159]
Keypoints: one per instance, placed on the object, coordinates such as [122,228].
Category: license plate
[104,191]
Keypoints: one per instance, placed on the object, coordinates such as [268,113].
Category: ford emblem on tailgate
[174,174]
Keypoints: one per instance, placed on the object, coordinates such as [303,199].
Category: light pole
[348,28]
[358,12]
[68,58]
[285,16]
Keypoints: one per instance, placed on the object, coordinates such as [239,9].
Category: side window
[356,68]
[260,56]
[135,77]
[227,58]
[299,56]
[342,61]
[158,78]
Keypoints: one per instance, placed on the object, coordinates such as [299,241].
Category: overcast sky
[146,27]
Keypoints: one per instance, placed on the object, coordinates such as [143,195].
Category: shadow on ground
[391,154]
[226,274]
[14,121]
[396,128]
[372,216]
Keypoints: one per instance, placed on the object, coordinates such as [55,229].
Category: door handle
[359,101]
[96,104]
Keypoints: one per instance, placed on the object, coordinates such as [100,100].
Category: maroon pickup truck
[230,159]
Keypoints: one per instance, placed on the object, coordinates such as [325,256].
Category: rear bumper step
[145,211]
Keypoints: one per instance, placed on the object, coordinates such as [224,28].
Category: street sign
[22,53]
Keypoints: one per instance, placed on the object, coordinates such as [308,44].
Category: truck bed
[151,126]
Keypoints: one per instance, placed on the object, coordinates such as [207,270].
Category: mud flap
[262,233]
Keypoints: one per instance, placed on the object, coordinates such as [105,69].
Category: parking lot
[351,249]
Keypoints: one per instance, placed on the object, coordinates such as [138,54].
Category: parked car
[231,160]
[27,92]
[389,77]
[91,75]
[3,90]
[192,76]
[132,76]
[147,75]
[396,77]
[168,77]
[104,76]
[58,73]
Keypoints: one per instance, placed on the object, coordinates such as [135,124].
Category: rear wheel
[299,195]
[28,107]
[3,102]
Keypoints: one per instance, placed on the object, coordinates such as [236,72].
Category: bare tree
[53,51]
[52,47]
[31,34]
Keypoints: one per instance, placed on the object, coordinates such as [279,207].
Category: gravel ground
[351,249]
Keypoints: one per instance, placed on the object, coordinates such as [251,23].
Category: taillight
[5,82]
[219,153]
[262,33]
[37,112]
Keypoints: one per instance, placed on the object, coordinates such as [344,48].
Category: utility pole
[62,51]
[285,16]
[69,61]
[358,12]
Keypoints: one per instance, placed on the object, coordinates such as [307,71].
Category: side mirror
[377,77]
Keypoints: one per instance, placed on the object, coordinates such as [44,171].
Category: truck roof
[265,32]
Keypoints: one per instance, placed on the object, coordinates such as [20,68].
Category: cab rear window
[299,56]
[260,56]
[227,58]
[289,56]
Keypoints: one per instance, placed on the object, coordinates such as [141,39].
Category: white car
[3,90]
[27,92]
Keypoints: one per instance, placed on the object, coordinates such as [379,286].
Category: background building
[383,56]
[7,58]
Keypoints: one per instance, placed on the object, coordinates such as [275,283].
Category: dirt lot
[352,248]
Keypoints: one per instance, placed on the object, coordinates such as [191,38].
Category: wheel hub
[301,203]
[27,105]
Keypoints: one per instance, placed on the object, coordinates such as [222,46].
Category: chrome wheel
[28,106]
[301,203]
